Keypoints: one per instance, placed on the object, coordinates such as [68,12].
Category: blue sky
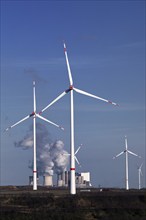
[106,49]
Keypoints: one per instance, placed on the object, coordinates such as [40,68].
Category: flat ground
[22,203]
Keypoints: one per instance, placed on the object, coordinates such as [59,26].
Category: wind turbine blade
[119,154]
[39,116]
[55,100]
[65,154]
[34,97]
[141,173]
[68,66]
[141,166]
[19,121]
[130,152]
[94,96]
[77,161]
[78,149]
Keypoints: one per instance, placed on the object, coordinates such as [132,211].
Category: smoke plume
[51,156]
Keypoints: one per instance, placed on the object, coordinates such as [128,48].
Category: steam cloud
[51,157]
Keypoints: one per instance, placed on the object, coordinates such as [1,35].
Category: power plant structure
[47,180]
[63,179]
[82,180]
[31,180]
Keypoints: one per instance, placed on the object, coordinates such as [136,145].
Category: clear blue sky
[106,48]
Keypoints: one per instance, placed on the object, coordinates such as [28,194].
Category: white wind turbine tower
[126,151]
[71,89]
[34,115]
[139,176]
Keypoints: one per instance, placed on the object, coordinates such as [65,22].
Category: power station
[82,180]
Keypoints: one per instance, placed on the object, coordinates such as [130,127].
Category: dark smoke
[31,72]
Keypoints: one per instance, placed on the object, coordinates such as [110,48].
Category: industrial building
[81,179]
[63,180]
[31,180]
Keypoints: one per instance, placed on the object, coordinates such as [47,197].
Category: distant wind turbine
[75,155]
[71,89]
[139,176]
[126,151]
[34,115]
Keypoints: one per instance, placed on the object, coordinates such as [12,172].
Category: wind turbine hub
[32,114]
[71,87]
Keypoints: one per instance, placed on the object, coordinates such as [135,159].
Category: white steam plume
[51,157]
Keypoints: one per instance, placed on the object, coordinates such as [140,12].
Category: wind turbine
[71,89]
[139,176]
[126,151]
[75,155]
[34,115]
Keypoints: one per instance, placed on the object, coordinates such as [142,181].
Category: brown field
[22,203]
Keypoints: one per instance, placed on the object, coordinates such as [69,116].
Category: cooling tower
[48,180]
[60,183]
